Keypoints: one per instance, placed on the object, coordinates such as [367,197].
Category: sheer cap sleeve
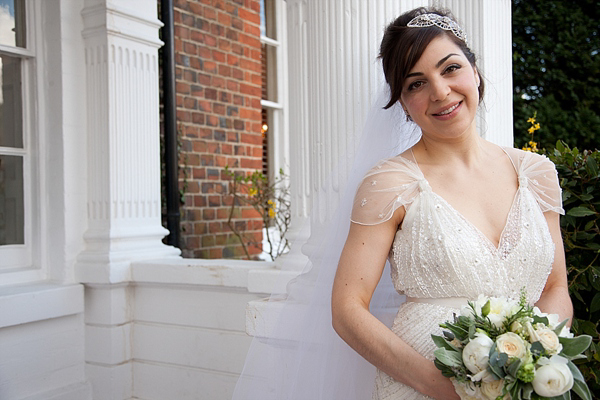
[539,174]
[390,184]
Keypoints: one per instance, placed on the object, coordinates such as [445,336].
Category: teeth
[448,111]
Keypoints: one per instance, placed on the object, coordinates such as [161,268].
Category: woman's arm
[555,297]
[359,271]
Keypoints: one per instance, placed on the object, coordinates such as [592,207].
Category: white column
[124,221]
[123,180]
[335,78]
[488,26]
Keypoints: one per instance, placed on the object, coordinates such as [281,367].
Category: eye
[452,68]
[414,85]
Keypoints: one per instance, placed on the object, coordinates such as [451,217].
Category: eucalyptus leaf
[579,385]
[527,391]
[514,367]
[440,342]
[447,357]
[576,345]
[560,326]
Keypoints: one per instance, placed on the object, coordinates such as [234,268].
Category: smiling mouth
[449,110]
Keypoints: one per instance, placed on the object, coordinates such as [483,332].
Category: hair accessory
[441,21]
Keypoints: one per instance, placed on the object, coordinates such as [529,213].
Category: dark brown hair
[402,46]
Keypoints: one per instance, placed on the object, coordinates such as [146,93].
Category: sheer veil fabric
[303,357]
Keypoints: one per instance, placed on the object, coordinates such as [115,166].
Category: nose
[439,90]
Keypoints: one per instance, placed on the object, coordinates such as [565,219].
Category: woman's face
[441,91]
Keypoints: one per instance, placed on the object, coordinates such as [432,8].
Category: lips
[448,110]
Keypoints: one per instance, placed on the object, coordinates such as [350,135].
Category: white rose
[493,389]
[553,378]
[512,345]
[476,353]
[549,340]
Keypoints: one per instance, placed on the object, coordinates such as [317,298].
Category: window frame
[278,145]
[21,263]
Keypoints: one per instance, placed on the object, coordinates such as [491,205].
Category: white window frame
[21,263]
[278,144]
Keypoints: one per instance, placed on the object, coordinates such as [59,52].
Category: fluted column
[123,181]
[488,26]
[124,216]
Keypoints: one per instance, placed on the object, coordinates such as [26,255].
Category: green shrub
[579,179]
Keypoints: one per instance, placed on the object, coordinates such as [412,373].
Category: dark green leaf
[580,212]
[595,305]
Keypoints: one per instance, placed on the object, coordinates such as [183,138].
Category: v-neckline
[478,231]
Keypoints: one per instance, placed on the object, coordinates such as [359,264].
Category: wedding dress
[439,259]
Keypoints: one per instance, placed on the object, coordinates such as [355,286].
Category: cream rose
[492,390]
[553,378]
[512,345]
[476,353]
[549,340]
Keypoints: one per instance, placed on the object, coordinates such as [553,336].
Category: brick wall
[218,85]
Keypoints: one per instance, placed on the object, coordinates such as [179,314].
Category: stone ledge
[20,304]
[225,273]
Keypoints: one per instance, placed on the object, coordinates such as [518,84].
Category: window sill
[21,304]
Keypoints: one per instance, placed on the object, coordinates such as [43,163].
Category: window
[16,245]
[274,101]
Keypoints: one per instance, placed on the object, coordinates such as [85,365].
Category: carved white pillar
[123,209]
[124,220]
[333,79]
[488,26]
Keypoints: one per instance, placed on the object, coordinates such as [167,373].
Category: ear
[477,78]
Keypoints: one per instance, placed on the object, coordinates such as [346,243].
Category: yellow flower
[252,192]
[271,213]
[531,130]
[537,126]
[270,202]
[531,120]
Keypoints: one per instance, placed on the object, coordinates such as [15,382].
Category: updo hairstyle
[402,46]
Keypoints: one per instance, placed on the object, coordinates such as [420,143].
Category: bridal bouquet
[500,348]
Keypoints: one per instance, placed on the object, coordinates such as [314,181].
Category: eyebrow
[439,63]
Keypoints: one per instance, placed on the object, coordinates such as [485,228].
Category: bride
[457,215]
[454,216]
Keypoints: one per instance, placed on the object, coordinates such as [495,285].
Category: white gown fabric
[439,259]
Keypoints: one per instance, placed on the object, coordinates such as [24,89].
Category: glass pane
[12,208]
[269,75]
[267,19]
[11,120]
[12,23]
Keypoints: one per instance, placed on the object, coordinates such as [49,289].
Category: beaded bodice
[438,253]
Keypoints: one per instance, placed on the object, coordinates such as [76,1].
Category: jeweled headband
[443,22]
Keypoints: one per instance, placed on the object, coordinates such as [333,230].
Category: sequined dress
[439,257]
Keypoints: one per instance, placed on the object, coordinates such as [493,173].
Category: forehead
[436,50]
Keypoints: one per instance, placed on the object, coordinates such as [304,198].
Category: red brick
[227,148]
[198,118]
[219,56]
[216,253]
[251,139]
[224,19]
[252,29]
[219,108]
[224,70]
[250,90]
[210,66]
[210,13]
[252,41]
[205,53]
[233,60]
[198,173]
[210,40]
[224,45]
[219,82]
[251,163]
[247,15]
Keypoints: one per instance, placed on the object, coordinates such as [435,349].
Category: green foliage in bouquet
[519,354]
[580,181]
